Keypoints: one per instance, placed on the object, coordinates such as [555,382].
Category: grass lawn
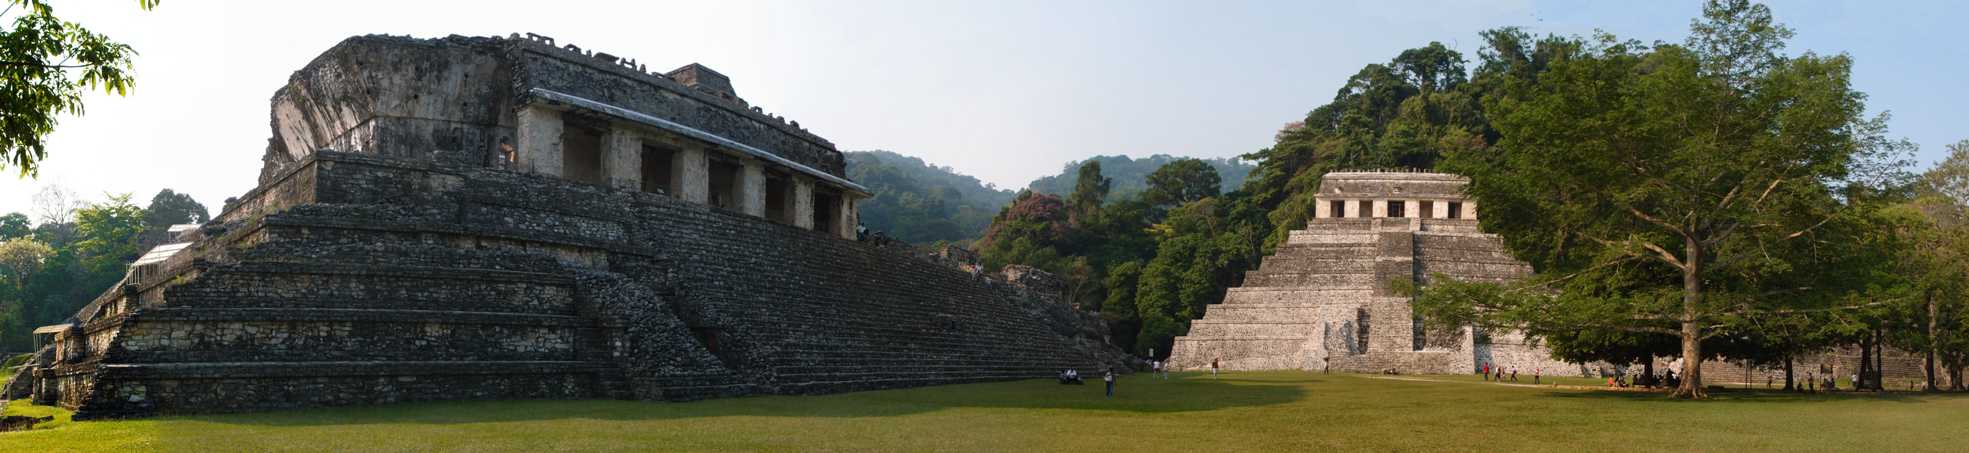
[1270,411]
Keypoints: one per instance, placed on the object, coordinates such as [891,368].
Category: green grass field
[1272,411]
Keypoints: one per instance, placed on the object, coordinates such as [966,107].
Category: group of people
[1665,379]
[1072,377]
[1492,372]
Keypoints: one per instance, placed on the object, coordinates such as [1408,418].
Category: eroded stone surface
[419,235]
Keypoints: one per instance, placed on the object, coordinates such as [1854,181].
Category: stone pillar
[1470,209]
[1380,209]
[752,188]
[622,159]
[1442,209]
[1352,208]
[1412,208]
[691,172]
[1321,206]
[540,140]
[803,202]
[848,217]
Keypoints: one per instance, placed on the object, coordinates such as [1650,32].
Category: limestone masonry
[512,218]
[1323,300]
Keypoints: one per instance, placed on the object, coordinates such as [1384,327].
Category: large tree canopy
[46,64]
[1655,187]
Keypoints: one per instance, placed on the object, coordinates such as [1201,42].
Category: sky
[1007,91]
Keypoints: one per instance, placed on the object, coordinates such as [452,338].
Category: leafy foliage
[1677,189]
[1130,175]
[920,203]
[46,64]
[50,272]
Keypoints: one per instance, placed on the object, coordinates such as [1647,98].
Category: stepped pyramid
[1323,300]
[502,218]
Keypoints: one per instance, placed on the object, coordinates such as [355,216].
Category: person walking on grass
[1213,367]
[1514,374]
[1485,372]
[1109,379]
[1536,373]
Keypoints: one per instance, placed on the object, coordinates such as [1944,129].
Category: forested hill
[922,203]
[1130,175]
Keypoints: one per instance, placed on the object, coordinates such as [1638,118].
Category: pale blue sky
[1006,91]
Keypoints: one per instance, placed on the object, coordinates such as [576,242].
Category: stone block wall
[1323,300]
[359,279]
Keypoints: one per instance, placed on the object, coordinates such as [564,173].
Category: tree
[14,225]
[22,257]
[169,208]
[107,236]
[45,65]
[55,204]
[1090,190]
[1181,182]
[1643,181]
[1407,113]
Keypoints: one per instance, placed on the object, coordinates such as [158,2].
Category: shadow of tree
[1135,393]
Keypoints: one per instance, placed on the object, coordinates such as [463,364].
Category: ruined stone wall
[453,100]
[403,279]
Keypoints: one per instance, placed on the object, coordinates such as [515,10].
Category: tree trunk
[1928,367]
[1648,368]
[1880,358]
[1866,359]
[1787,374]
[1691,331]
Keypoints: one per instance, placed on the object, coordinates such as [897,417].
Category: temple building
[1323,300]
[497,218]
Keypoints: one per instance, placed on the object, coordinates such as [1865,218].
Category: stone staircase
[1279,318]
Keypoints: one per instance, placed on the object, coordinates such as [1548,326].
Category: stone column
[848,217]
[803,202]
[1321,206]
[539,135]
[691,173]
[622,159]
[1470,209]
[752,188]
[1412,208]
[1351,207]
[1442,209]
[1380,209]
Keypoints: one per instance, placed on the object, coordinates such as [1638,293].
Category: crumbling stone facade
[1323,300]
[504,218]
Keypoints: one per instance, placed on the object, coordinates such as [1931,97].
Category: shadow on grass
[1136,393]
[1725,395]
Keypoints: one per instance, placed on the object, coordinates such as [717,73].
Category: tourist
[1536,373]
[1213,367]
[1514,374]
[1485,372]
[1109,378]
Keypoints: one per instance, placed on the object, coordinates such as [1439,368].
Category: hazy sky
[1006,91]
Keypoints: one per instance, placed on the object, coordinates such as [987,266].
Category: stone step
[369,368]
[166,335]
[1277,329]
[1316,280]
[313,286]
[1305,237]
[1261,295]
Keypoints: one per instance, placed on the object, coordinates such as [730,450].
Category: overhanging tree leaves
[1642,181]
[46,64]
